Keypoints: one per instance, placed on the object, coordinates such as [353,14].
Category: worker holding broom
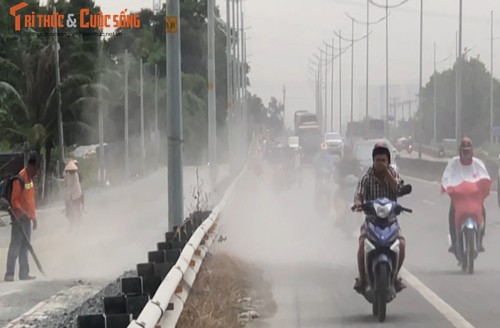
[23,215]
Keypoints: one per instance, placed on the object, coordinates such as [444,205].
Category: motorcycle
[382,251]
[469,229]
[467,190]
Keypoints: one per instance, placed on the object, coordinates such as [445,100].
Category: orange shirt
[23,197]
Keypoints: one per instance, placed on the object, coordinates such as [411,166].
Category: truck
[302,118]
[310,139]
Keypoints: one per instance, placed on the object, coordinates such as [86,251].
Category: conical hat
[71,166]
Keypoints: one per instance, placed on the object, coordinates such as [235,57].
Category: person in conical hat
[73,191]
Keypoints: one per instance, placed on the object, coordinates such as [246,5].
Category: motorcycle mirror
[406,190]
[4,204]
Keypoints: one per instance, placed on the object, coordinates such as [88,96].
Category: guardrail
[176,286]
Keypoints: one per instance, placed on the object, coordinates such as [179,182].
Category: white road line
[444,308]
[428,202]
[9,292]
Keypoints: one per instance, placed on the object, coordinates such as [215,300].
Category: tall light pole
[434,135]
[157,133]
[458,82]
[127,146]
[420,78]
[143,147]
[386,7]
[491,82]
[367,23]
[333,66]
[340,82]
[212,128]
[229,85]
[174,116]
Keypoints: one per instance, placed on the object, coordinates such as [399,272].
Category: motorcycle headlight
[383,211]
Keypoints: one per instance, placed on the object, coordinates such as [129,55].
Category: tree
[475,102]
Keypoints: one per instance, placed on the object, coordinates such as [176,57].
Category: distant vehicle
[334,141]
[296,117]
[305,119]
[293,142]
[310,139]
[362,152]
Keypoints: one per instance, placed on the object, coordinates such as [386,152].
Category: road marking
[9,292]
[444,308]
[428,202]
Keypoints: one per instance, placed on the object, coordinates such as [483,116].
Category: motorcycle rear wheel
[470,251]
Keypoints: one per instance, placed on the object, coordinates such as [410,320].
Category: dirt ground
[227,293]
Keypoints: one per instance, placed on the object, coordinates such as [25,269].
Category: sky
[283,35]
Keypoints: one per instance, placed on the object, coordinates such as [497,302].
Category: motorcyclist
[325,162]
[346,166]
[464,162]
[380,180]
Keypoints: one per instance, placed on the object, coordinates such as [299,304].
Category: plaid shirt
[370,187]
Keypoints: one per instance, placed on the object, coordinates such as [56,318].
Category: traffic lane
[121,226]
[310,262]
[414,155]
[474,296]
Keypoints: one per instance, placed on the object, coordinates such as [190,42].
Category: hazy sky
[285,33]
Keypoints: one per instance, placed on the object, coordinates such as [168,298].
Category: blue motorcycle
[382,251]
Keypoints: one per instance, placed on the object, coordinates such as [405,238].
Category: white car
[334,141]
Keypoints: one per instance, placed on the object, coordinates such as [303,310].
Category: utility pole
[174,116]
[435,93]
[242,87]
[59,103]
[458,82]
[367,61]
[491,82]
[127,147]
[326,88]
[157,132]
[212,124]
[331,91]
[102,169]
[420,79]
[340,82]
[229,85]
[386,69]
[143,147]
[352,71]
[367,23]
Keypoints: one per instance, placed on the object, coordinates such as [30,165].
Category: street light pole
[127,147]
[331,95]
[340,82]
[458,82]
[174,115]
[491,82]
[212,128]
[420,78]
[434,97]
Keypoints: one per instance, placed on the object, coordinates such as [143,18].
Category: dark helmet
[381,148]
[465,151]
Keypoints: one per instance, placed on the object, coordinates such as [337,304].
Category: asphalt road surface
[311,260]
[121,225]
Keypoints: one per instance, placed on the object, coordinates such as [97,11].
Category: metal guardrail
[176,286]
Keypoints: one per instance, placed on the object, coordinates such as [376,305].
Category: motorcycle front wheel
[382,285]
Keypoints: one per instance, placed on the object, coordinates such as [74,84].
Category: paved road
[312,262]
[121,226]
[414,155]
